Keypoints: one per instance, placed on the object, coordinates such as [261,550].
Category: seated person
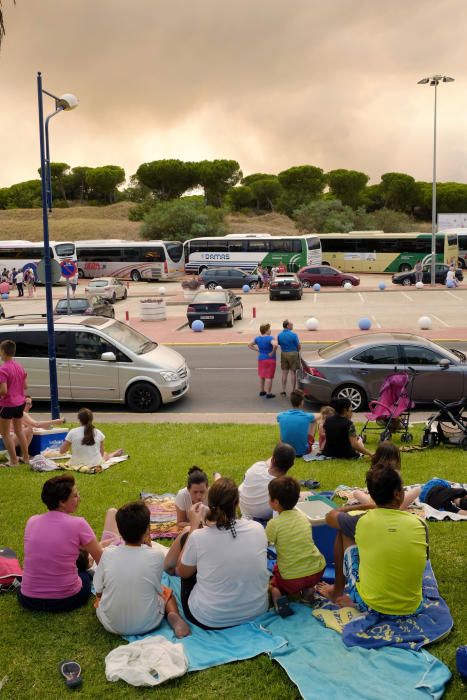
[127,580]
[341,437]
[223,564]
[297,428]
[86,443]
[385,560]
[326,411]
[440,494]
[30,424]
[254,496]
[52,544]
[195,491]
[300,564]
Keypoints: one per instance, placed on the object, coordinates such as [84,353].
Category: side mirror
[444,363]
[108,357]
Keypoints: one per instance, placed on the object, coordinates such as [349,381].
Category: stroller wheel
[406,437]
[432,440]
[464,443]
[385,435]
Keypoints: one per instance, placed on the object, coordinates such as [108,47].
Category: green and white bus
[248,250]
[376,251]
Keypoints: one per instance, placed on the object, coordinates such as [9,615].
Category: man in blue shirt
[297,427]
[290,354]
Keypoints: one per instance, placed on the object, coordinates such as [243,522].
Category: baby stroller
[448,426]
[391,411]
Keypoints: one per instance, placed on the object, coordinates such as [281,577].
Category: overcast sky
[270,83]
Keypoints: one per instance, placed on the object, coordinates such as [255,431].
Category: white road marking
[378,325]
[362,299]
[315,298]
[441,321]
[406,296]
[454,296]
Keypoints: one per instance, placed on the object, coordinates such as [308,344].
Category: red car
[326,276]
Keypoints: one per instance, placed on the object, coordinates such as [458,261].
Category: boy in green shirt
[300,564]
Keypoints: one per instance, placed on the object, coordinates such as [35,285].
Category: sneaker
[270,396]
[283,393]
[262,393]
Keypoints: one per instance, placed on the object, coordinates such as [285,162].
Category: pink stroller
[391,411]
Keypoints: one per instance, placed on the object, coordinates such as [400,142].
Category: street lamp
[63,103]
[434,80]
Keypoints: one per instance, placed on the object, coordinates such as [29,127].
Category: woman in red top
[12,387]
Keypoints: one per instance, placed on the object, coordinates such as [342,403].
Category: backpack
[10,570]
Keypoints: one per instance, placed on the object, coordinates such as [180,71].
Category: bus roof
[117,241]
[377,234]
[28,244]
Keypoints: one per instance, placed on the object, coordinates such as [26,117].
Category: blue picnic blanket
[314,657]
[374,630]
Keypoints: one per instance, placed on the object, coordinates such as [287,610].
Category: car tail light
[166,267]
[224,307]
[274,284]
[191,309]
[312,371]
[295,284]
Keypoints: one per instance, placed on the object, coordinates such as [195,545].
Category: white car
[108,287]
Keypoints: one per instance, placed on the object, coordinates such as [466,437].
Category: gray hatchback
[229,278]
[356,368]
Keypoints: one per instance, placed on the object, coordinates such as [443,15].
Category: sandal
[310,484]
[71,672]
[283,608]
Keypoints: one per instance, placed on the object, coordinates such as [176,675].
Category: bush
[180,220]
[325,216]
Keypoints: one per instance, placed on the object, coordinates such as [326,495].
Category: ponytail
[223,501]
[85,417]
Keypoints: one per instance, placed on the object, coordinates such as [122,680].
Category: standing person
[12,276]
[290,346]
[259,271]
[29,281]
[418,271]
[86,443]
[265,277]
[265,345]
[4,286]
[13,383]
[73,283]
[19,280]
[297,427]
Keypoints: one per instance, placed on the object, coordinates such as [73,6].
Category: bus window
[152,255]
[258,246]
[174,250]
[280,245]
[236,246]
[312,244]
[65,250]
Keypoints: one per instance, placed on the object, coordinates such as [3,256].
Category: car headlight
[170,376]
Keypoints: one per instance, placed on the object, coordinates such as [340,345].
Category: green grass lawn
[32,644]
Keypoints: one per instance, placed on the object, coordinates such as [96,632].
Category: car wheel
[202,269]
[135,276]
[461,263]
[306,284]
[114,298]
[142,397]
[230,322]
[356,396]
[240,316]
[405,267]
[253,285]
[112,315]
[125,294]
[344,282]
[407,282]
[80,273]
[211,285]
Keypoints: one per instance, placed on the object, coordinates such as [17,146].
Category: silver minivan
[98,359]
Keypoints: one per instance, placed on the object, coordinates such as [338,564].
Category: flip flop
[71,672]
[310,484]
[283,608]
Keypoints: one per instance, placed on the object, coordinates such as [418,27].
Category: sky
[270,83]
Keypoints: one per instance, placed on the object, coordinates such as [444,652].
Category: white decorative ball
[419,285]
[162,291]
[347,285]
[424,323]
[312,324]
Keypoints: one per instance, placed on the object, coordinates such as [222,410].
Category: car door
[432,381]
[329,277]
[236,279]
[311,275]
[32,351]
[92,378]
[372,365]
[234,303]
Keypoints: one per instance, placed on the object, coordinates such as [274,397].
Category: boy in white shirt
[130,596]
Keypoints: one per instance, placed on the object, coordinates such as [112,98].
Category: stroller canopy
[393,398]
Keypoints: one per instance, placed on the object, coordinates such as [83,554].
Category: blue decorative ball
[317,287]
[382,286]
[450,284]
[197,326]
[5,295]
[245,288]
[364,324]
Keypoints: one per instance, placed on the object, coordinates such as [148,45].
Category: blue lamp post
[63,103]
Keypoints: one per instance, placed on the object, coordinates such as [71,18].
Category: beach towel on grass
[163,515]
[45,463]
[314,658]
[373,630]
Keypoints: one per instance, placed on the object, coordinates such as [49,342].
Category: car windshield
[334,350]
[98,283]
[134,341]
[76,304]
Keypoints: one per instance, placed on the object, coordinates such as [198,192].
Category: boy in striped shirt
[300,564]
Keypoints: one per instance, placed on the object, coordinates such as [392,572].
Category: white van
[98,359]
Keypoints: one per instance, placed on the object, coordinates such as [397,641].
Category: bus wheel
[80,274]
[135,276]
[405,267]
[202,269]
[461,263]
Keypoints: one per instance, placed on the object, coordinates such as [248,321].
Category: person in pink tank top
[12,399]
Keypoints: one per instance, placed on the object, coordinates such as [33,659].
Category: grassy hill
[81,223]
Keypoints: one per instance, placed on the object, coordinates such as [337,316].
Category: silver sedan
[108,287]
[356,368]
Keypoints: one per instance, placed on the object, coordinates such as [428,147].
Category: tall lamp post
[63,103]
[434,80]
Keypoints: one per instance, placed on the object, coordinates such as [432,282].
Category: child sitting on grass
[326,411]
[300,564]
[131,598]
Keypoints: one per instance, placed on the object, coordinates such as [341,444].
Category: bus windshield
[65,250]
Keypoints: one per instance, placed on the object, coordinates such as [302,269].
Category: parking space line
[315,298]
[406,296]
[378,325]
[454,296]
[362,299]
[441,321]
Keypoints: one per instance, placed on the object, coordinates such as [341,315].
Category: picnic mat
[163,514]
[373,630]
[314,657]
[63,462]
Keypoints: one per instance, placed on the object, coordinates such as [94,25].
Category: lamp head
[447,79]
[423,81]
[67,102]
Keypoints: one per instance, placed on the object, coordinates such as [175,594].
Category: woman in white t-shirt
[195,491]
[86,443]
[222,564]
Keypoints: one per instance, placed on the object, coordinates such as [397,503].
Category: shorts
[432,483]
[294,585]
[9,412]
[347,523]
[266,369]
[290,360]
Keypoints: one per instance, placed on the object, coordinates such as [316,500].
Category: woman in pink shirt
[52,543]
[12,387]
